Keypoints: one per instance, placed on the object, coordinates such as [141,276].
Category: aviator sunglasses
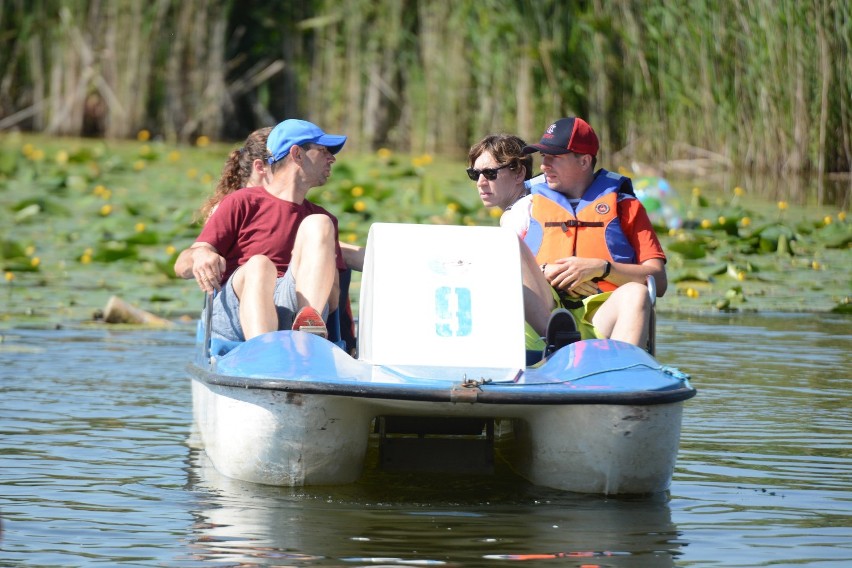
[489,173]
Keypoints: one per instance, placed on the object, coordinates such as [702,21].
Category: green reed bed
[759,84]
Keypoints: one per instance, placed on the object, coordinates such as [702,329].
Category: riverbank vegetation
[83,220]
[756,85]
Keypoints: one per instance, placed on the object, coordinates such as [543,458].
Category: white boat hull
[293,439]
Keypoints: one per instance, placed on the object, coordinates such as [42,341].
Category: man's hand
[207,267]
[574,275]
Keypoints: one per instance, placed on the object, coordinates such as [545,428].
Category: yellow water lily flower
[143,135]
[62,157]
[384,153]
[139,165]
[9,276]
[170,250]
[357,191]
[745,221]
[692,293]
[359,206]
[827,220]
[35,261]
[102,192]
[174,156]
[139,227]
[422,160]
[105,210]
[782,205]
[738,191]
[86,258]
[202,141]
[706,224]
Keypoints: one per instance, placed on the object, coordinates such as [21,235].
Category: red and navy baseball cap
[567,135]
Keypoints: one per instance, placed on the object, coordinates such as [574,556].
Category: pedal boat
[441,381]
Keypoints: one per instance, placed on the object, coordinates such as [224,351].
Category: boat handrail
[652,318]
[208,324]
[652,289]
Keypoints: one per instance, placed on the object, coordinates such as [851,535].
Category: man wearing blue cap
[273,254]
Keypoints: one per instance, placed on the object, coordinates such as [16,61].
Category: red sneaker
[309,321]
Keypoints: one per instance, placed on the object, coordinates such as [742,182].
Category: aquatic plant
[87,226]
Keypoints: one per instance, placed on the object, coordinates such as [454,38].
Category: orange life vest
[594,231]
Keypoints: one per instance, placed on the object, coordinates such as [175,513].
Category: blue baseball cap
[297,132]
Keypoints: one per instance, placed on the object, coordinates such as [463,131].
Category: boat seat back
[442,295]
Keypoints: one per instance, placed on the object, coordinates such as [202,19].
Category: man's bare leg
[313,263]
[538,299]
[624,316]
[254,284]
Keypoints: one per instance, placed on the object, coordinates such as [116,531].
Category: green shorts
[584,313]
[582,317]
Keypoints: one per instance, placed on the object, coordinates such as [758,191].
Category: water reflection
[94,468]
[765,465]
[399,519]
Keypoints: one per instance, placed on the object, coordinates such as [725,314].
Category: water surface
[98,466]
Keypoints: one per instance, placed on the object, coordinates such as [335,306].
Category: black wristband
[603,276]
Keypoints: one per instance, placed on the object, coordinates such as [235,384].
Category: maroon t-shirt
[252,221]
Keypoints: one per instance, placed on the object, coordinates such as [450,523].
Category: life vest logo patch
[602,208]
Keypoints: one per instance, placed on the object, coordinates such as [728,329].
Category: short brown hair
[506,149]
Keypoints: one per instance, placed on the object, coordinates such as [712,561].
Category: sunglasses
[489,173]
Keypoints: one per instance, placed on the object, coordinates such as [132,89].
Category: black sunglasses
[489,173]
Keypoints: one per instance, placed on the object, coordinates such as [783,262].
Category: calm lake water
[98,466]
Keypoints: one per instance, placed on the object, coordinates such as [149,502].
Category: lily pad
[690,249]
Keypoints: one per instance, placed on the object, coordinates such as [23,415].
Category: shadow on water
[401,519]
